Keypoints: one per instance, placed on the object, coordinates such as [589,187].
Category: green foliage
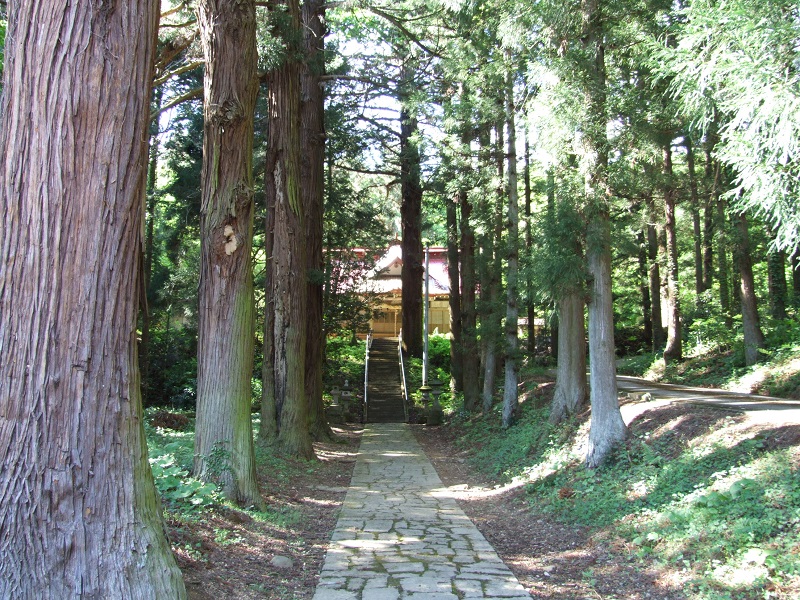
[439,352]
[344,361]
[171,456]
[715,357]
[438,368]
[731,67]
[557,267]
[177,488]
[173,368]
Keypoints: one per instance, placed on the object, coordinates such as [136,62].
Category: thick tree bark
[778,290]
[554,334]
[456,348]
[289,282]
[795,264]
[710,174]
[674,348]
[694,207]
[751,325]
[644,289]
[491,319]
[659,335]
[531,308]
[607,427]
[570,393]
[80,515]
[226,336]
[723,266]
[510,391]
[488,328]
[469,328]
[411,222]
[312,171]
[268,432]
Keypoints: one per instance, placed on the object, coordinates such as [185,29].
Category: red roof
[385,278]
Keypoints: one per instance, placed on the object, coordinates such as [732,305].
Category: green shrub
[177,488]
[171,455]
[344,361]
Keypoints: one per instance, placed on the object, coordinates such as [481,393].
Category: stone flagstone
[400,535]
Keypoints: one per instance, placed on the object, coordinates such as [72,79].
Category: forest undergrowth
[704,495]
[718,361]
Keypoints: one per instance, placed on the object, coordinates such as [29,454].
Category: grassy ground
[710,497]
[721,366]
[225,551]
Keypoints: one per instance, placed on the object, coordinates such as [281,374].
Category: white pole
[427,317]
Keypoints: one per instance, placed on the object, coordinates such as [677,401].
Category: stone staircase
[384,393]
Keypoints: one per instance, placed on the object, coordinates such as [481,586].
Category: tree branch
[169,74]
[397,23]
[190,95]
[379,126]
[171,11]
[177,25]
[369,171]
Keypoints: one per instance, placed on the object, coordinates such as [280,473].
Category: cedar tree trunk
[723,266]
[289,281]
[710,176]
[270,413]
[80,515]
[659,335]
[312,176]
[411,222]
[570,392]
[607,427]
[491,320]
[531,308]
[456,349]
[226,336]
[795,267]
[778,290]
[674,348]
[510,387]
[694,204]
[469,330]
[644,289]
[753,337]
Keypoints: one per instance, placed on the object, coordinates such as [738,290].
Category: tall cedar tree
[226,337]
[751,325]
[469,329]
[289,294]
[312,169]
[491,267]
[510,391]
[569,395]
[80,516]
[454,300]
[411,216]
[674,348]
[607,427]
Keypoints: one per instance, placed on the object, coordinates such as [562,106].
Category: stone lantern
[435,412]
[347,401]
[334,412]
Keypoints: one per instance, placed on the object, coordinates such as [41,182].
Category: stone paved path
[401,536]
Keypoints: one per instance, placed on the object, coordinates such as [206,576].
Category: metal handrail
[366,376]
[403,372]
